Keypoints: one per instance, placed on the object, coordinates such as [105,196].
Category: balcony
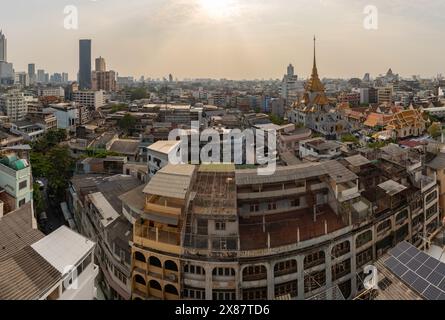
[151,237]
[270,191]
[163,206]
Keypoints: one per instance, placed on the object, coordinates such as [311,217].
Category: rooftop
[63,248]
[286,228]
[125,146]
[164,147]
[171,181]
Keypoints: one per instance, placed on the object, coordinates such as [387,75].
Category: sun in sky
[219,9]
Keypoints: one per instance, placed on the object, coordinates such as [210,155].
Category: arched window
[155,262]
[155,285]
[139,257]
[252,273]
[139,279]
[341,249]
[170,265]
[314,259]
[171,289]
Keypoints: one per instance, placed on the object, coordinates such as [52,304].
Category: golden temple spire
[314,84]
[314,68]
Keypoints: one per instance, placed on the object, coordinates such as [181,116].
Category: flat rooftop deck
[283,228]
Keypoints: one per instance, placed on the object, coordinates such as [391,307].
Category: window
[193,293]
[431,211]
[23,184]
[255,294]
[285,267]
[272,206]
[363,238]
[220,225]
[122,278]
[224,295]
[314,281]
[314,259]
[253,273]
[254,207]
[402,216]
[284,289]
[384,226]
[224,272]
[295,202]
[364,257]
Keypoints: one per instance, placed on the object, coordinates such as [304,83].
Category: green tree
[138,93]
[127,123]
[40,165]
[349,138]
[39,202]
[61,170]
[435,130]
[276,120]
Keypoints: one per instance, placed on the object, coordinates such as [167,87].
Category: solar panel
[424,271]
[434,278]
[395,252]
[432,263]
[442,285]
[412,251]
[410,277]
[441,269]
[400,270]
[414,264]
[404,258]
[432,293]
[420,285]
[391,263]
[418,270]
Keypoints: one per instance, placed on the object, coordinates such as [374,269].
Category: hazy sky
[237,39]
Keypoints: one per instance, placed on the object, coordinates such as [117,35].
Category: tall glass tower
[85,64]
[3,47]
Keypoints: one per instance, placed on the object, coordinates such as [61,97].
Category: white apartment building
[158,154]
[15,179]
[90,99]
[52,92]
[13,104]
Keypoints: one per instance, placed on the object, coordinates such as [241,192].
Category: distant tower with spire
[315,90]
[3,47]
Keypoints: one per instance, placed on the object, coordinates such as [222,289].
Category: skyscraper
[290,70]
[32,72]
[100,65]
[85,64]
[40,76]
[3,47]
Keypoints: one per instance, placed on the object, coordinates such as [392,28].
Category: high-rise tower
[85,64]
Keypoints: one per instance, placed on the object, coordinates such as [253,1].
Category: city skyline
[157,38]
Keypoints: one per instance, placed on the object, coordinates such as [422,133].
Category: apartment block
[216,232]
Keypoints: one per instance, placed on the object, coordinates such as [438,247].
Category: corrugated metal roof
[334,169]
[357,160]
[16,231]
[171,181]
[26,275]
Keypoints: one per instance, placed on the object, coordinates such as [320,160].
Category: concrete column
[209,284]
[270,281]
[328,267]
[353,268]
[300,266]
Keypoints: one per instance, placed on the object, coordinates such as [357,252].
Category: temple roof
[315,90]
